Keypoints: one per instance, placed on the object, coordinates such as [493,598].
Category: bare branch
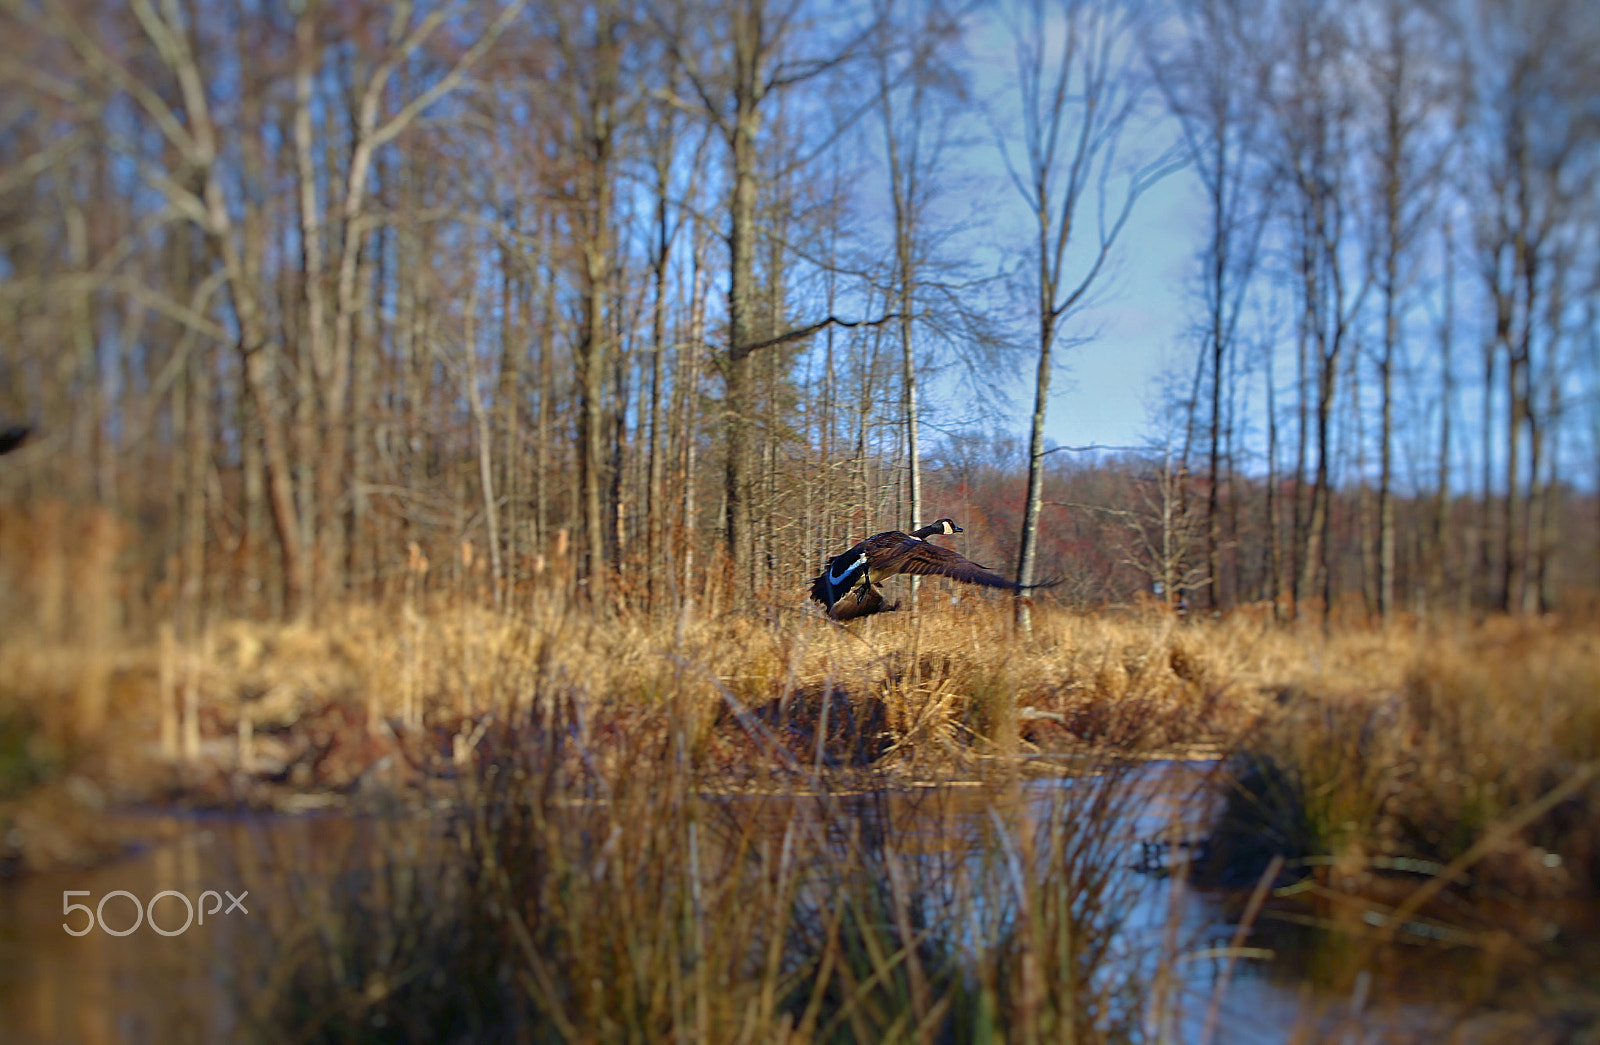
[446,83]
[804,332]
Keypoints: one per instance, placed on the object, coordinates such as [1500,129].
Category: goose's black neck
[939,526]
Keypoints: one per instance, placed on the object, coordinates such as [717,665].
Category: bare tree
[737,57]
[590,43]
[1439,533]
[916,87]
[1311,114]
[1155,528]
[1077,94]
[662,134]
[372,127]
[1209,79]
[1406,157]
[1524,74]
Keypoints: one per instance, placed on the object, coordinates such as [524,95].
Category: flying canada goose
[13,436]
[885,554]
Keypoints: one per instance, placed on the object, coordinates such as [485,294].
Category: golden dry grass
[945,685]
[1403,750]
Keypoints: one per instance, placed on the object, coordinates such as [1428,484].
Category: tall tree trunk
[1048,317]
[654,505]
[1438,569]
[615,507]
[1516,417]
[742,243]
[197,417]
[507,426]
[590,371]
[1390,289]
[485,440]
[598,122]
[1365,522]
[689,355]
[1299,539]
[1028,553]
[1321,491]
[908,373]
[362,549]
[908,366]
[544,412]
[1274,526]
[1218,345]
[312,365]
[260,371]
[1492,597]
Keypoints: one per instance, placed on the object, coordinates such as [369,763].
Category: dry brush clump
[958,681]
[1420,751]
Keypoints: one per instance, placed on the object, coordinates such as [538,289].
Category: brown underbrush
[1355,754]
[320,706]
[1449,757]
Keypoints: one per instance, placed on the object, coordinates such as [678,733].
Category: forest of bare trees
[640,303]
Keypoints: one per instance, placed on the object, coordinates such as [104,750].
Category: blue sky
[1104,388]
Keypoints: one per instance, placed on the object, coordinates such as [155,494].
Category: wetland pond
[172,979]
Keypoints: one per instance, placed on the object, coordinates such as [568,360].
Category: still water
[249,876]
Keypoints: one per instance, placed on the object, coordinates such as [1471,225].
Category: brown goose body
[861,569]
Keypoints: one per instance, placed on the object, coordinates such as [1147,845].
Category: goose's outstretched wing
[848,585]
[923,559]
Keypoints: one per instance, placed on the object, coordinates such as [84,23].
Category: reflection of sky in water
[99,988]
[949,844]
[138,988]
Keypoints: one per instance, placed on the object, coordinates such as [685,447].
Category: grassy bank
[1357,756]
[1455,753]
[319,707]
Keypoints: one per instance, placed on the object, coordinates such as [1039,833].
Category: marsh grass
[924,694]
[575,897]
[1353,754]
[1390,756]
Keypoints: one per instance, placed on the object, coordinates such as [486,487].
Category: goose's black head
[938,526]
